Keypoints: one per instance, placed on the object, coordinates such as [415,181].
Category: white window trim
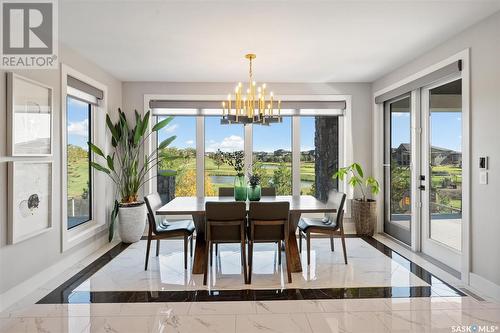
[100,188]
[345,143]
[378,154]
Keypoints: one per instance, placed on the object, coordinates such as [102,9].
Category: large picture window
[311,137]
[319,155]
[272,155]
[219,139]
[79,174]
[180,156]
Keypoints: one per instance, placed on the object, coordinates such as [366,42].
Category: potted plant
[128,168]
[254,190]
[236,160]
[363,210]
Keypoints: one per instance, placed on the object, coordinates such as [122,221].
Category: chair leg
[185,252]
[308,241]
[205,266]
[300,241]
[157,247]
[331,243]
[147,253]
[288,263]
[211,252]
[216,249]
[279,253]
[244,261]
[191,246]
[343,244]
[250,261]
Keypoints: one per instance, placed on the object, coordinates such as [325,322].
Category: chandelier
[252,107]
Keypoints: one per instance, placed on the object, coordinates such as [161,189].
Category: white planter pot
[132,221]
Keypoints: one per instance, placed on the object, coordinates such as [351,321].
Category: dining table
[195,206]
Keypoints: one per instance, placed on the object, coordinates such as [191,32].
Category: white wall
[133,98]
[484,41]
[21,261]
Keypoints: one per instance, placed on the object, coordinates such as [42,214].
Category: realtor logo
[29,34]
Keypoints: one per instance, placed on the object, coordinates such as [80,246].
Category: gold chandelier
[254,107]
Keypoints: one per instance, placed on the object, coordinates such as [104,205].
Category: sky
[446,129]
[231,137]
[78,123]
[267,138]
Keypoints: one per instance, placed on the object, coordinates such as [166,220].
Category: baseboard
[484,287]
[27,287]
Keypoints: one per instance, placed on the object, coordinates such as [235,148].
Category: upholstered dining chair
[268,192]
[331,224]
[223,192]
[226,192]
[160,228]
[268,222]
[225,222]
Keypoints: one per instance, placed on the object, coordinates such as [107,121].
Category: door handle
[421,187]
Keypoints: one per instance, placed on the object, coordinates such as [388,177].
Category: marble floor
[367,267]
[378,291]
[426,314]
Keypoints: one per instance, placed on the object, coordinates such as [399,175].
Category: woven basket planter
[364,214]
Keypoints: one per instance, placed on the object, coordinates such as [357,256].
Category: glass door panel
[398,148]
[442,163]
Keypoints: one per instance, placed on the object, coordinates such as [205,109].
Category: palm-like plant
[127,167]
[358,179]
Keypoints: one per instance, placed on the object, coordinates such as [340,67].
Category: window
[220,138]
[319,155]
[272,155]
[271,148]
[180,156]
[79,173]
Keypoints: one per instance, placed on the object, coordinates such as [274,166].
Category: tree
[218,158]
[282,180]
[185,185]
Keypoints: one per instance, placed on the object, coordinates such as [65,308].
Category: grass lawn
[78,176]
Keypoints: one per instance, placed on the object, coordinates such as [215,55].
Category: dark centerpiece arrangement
[254,190]
[236,160]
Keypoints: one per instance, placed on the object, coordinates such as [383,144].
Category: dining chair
[331,224]
[268,223]
[223,192]
[225,222]
[160,228]
[268,192]
[226,191]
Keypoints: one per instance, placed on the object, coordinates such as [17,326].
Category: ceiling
[295,41]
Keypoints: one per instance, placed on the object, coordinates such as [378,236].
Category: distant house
[439,156]
[402,154]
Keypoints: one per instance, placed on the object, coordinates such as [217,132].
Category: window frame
[345,143]
[102,190]
[90,111]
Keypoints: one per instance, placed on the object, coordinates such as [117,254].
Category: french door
[398,167]
[423,170]
[441,167]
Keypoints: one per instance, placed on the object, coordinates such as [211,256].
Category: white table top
[196,205]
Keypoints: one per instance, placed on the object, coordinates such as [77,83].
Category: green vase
[254,193]
[240,188]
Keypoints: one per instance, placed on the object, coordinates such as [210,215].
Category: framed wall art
[30,199]
[29,113]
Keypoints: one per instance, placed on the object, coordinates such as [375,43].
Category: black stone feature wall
[326,143]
